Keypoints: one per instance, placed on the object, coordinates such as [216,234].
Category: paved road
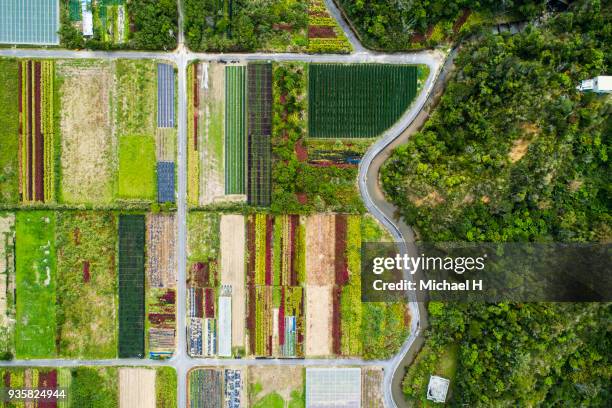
[370,191]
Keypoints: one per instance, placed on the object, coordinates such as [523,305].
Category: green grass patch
[137,167]
[165,387]
[87,284]
[36,284]
[272,400]
[136,89]
[9,136]
[94,387]
[203,236]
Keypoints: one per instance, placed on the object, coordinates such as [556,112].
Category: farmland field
[36,284]
[354,101]
[7,285]
[275,296]
[275,386]
[235,129]
[136,94]
[131,285]
[37,130]
[9,123]
[205,388]
[259,182]
[136,387]
[136,178]
[87,284]
[87,140]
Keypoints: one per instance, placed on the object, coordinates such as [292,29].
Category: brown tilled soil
[87,145]
[320,257]
[136,388]
[318,321]
[161,241]
[233,269]
[280,379]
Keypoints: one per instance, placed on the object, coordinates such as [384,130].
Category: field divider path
[181,361]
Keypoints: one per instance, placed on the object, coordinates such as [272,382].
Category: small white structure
[333,387]
[225,326]
[437,389]
[87,18]
[599,84]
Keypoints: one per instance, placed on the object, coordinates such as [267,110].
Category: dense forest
[397,24]
[245,25]
[515,153]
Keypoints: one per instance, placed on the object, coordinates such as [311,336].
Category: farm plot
[217,387]
[371,388]
[87,284]
[136,93]
[206,133]
[136,178]
[7,284]
[131,285]
[35,284]
[9,137]
[136,388]
[36,132]
[87,142]
[276,386]
[165,96]
[32,22]
[161,281]
[235,128]
[275,273]
[165,182]
[356,101]
[233,271]
[259,180]
[203,282]
[324,33]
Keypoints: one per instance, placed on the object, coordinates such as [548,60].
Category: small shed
[437,389]
[599,84]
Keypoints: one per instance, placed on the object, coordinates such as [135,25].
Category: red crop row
[47,380]
[281,319]
[86,275]
[209,303]
[336,321]
[251,318]
[251,251]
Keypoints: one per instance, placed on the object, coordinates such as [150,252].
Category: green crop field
[235,129]
[86,284]
[9,123]
[36,284]
[136,87]
[137,167]
[131,285]
[355,101]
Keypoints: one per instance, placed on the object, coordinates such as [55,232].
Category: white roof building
[87,18]
[333,387]
[225,326]
[437,389]
[599,84]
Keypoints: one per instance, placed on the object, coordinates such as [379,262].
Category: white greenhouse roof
[333,387]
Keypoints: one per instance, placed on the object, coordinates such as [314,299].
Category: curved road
[368,185]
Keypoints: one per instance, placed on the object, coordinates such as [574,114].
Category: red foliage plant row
[161,318]
[169,297]
[340,262]
[196,105]
[47,380]
[38,137]
[86,275]
[336,318]
[251,316]
[251,251]
[199,309]
[281,319]
[321,32]
[269,244]
[200,274]
[209,303]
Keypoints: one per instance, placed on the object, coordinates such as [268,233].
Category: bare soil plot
[320,257]
[211,125]
[161,241]
[283,380]
[165,144]
[233,269]
[371,388]
[87,143]
[136,388]
[318,321]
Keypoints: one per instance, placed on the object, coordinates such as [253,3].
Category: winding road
[370,189]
